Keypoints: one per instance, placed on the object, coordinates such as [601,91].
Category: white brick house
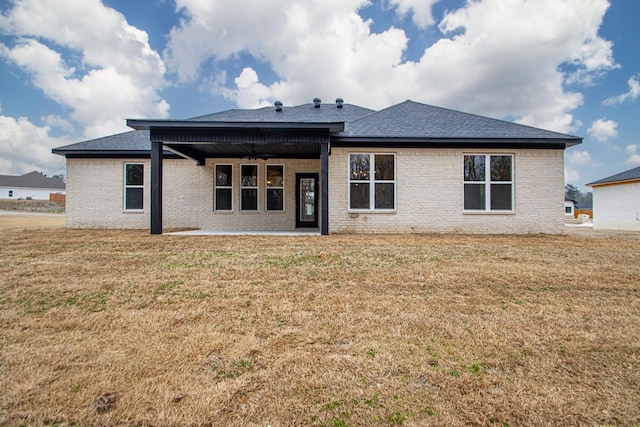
[334,168]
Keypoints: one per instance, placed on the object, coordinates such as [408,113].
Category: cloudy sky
[72,70]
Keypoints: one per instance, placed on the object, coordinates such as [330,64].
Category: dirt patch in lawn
[125,328]
[13,221]
[42,206]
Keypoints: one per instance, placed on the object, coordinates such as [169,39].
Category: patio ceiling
[251,140]
[201,151]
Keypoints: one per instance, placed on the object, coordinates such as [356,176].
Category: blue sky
[72,70]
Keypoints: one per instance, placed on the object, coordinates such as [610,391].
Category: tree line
[582,200]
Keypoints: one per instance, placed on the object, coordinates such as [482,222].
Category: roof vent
[278,105]
[339,102]
[316,102]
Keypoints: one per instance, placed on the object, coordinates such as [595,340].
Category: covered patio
[201,139]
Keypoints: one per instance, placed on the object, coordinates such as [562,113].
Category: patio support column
[324,185]
[156,187]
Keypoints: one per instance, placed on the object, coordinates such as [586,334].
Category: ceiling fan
[261,156]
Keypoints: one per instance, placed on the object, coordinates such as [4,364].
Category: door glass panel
[307,199]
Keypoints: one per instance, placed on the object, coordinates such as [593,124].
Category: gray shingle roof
[32,180]
[630,175]
[407,120]
[136,140]
[411,119]
[305,113]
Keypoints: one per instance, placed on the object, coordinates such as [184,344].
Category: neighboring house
[30,186]
[569,208]
[334,168]
[616,201]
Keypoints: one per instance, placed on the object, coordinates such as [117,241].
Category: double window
[488,182]
[133,186]
[249,187]
[372,182]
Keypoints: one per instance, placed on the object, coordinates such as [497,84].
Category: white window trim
[487,183]
[256,187]
[125,186]
[268,187]
[216,186]
[372,181]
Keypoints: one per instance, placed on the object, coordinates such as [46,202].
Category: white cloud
[54,121]
[500,58]
[577,157]
[634,92]
[574,160]
[251,93]
[86,57]
[634,155]
[571,176]
[419,9]
[25,147]
[603,130]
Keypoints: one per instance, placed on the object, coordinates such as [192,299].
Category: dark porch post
[156,187]
[324,183]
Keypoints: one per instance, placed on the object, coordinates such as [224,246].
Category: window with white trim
[133,186]
[274,187]
[249,187]
[372,182]
[223,193]
[488,182]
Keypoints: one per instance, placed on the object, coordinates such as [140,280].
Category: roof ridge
[496,119]
[265,108]
[464,113]
[225,111]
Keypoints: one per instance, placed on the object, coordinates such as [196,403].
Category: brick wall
[188,196]
[95,195]
[430,194]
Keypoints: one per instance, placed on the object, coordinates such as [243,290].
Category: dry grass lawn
[318,331]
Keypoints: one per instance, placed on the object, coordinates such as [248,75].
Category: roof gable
[411,119]
[32,180]
[629,175]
